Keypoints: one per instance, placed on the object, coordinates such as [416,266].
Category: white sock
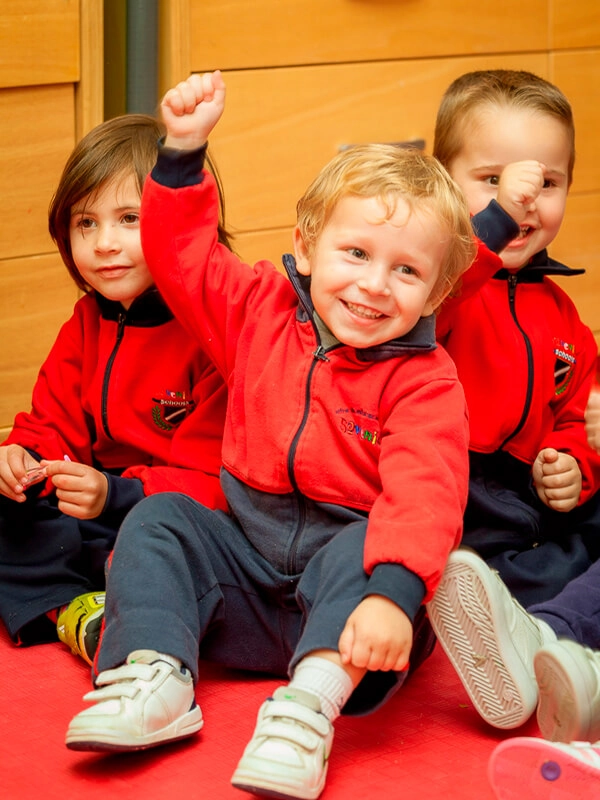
[327,681]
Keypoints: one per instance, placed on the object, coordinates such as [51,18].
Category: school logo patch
[170,409]
[563,365]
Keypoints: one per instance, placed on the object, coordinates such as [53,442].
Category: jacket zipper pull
[320,353]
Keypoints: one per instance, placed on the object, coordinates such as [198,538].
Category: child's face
[371,278]
[106,244]
[501,136]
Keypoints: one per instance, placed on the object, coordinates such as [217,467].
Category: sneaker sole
[110,741]
[475,637]
[564,708]
[259,785]
[531,769]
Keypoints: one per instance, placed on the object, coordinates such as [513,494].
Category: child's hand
[377,636]
[592,419]
[557,479]
[519,185]
[192,109]
[81,490]
[15,463]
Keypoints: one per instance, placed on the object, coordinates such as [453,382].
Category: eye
[85,223]
[356,252]
[548,183]
[131,218]
[404,269]
[493,180]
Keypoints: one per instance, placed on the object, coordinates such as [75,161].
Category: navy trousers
[187,581]
[46,560]
[536,550]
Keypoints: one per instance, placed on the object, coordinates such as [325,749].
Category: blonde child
[344,458]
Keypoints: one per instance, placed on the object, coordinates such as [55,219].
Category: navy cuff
[494,227]
[177,168]
[400,585]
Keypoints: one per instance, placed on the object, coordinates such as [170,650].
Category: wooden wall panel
[574,24]
[36,295]
[38,133]
[233,34]
[577,73]
[39,42]
[280,126]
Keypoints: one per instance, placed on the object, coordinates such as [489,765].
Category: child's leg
[489,638]
[46,560]
[180,574]
[535,550]
[289,751]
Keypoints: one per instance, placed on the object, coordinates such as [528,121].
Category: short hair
[500,88]
[388,172]
[114,150]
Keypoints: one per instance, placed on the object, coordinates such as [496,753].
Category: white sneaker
[146,702]
[489,638]
[568,677]
[288,754]
[524,768]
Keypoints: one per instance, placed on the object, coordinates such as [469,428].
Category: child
[525,359]
[125,405]
[345,456]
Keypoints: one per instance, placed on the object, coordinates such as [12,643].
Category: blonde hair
[388,172]
[500,88]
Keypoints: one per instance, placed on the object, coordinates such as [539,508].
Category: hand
[592,419]
[520,184]
[15,462]
[81,490]
[377,636]
[192,109]
[557,479]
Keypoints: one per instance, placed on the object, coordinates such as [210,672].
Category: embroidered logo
[564,354]
[170,409]
[368,432]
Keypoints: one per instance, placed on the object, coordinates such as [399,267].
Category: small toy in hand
[34,475]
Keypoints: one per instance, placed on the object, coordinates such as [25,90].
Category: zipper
[318,356]
[108,370]
[512,291]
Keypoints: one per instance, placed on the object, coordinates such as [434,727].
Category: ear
[301,253]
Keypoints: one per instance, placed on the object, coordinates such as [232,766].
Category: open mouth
[363,311]
[524,231]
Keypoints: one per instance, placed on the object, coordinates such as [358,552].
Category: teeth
[361,311]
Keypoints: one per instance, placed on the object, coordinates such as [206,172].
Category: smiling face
[105,241]
[497,136]
[372,272]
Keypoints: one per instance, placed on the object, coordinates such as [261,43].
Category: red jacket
[526,361]
[129,391]
[382,430]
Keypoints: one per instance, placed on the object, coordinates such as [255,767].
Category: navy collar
[147,311]
[540,265]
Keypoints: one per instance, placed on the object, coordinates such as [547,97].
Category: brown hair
[388,172]
[501,88]
[115,149]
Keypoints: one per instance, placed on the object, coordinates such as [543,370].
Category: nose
[374,280]
[107,240]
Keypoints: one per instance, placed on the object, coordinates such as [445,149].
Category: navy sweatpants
[575,611]
[537,551]
[46,560]
[186,581]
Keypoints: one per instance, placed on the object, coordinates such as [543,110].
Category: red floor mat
[427,743]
